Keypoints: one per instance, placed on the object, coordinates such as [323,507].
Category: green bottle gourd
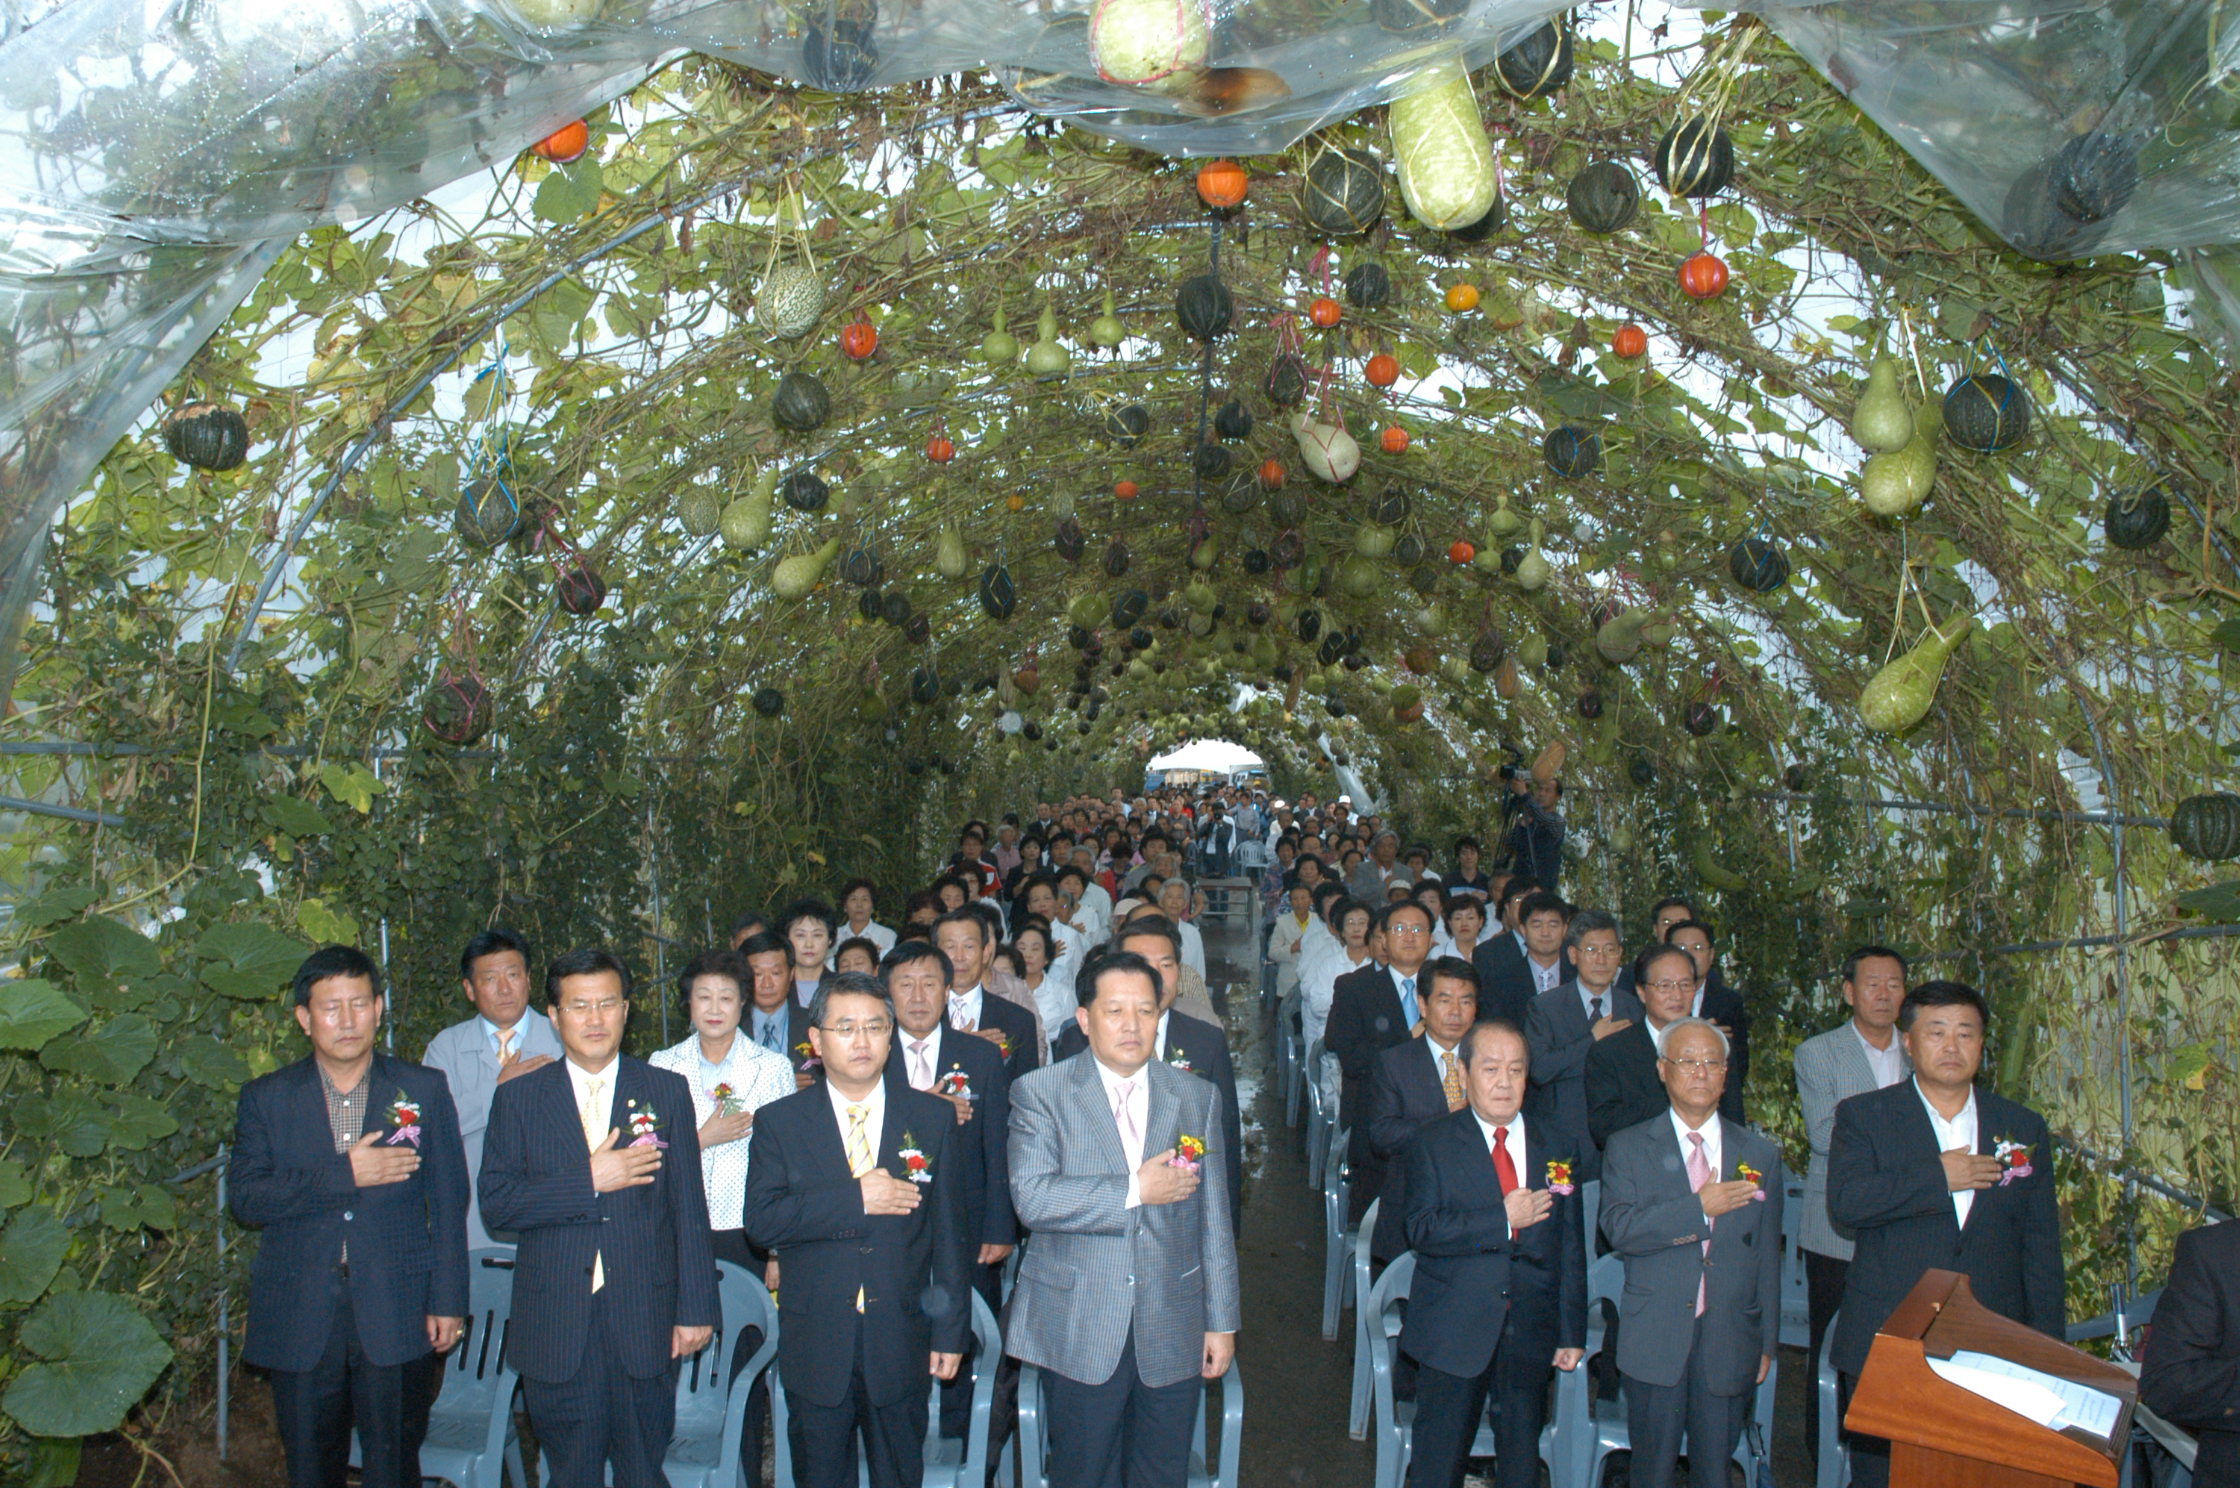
[1106,330]
[1619,637]
[794,577]
[1880,420]
[745,523]
[949,557]
[1534,571]
[1502,522]
[1898,697]
[1047,358]
[1895,484]
[999,348]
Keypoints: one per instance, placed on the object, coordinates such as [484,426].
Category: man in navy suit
[1416,1083]
[1372,1010]
[857,1184]
[1934,1173]
[1505,985]
[967,1072]
[1495,1219]
[351,1163]
[974,1007]
[595,1163]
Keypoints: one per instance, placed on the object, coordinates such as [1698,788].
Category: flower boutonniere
[1001,1040]
[915,1165]
[956,1084]
[2014,1160]
[1559,1177]
[644,1123]
[1181,1061]
[726,1100]
[1752,1176]
[1189,1152]
[805,1060]
[404,1115]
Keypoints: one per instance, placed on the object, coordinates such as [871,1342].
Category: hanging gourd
[1070,541]
[796,575]
[1222,184]
[1571,452]
[999,596]
[804,490]
[1203,305]
[580,590]
[1502,522]
[1758,565]
[487,513]
[208,436]
[1703,275]
[1107,331]
[1695,158]
[1898,697]
[801,403]
[1368,286]
[1343,193]
[768,701]
[1129,607]
[860,568]
[1210,461]
[1325,448]
[1881,421]
[1618,638]
[1895,484]
[839,51]
[700,511]
[949,559]
[1381,370]
[1117,558]
[791,301]
[747,520]
[2137,519]
[859,338]
[457,709]
[1534,571]
[1496,218]
[1326,312]
[940,448]
[1603,197]
[1136,42]
[1537,65]
[1986,412]
[1233,421]
[925,685]
[999,348]
[1048,359]
[1126,425]
[1630,342]
[1441,149]
[2207,827]
[565,145]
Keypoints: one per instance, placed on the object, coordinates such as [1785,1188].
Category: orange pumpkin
[1462,297]
[1461,551]
[859,338]
[1703,276]
[1630,342]
[1325,312]
[941,449]
[1383,370]
[1015,502]
[1125,490]
[1395,440]
[1271,474]
[1221,184]
[564,144]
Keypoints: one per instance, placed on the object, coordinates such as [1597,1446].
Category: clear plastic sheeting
[2069,127]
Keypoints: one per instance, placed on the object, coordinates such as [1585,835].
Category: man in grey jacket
[1127,1292]
[1693,1202]
[1864,1054]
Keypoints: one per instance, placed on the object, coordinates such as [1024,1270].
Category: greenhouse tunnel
[601,466]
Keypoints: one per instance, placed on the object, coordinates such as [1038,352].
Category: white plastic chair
[471,1434]
[1796,1295]
[1357,1415]
[949,1463]
[712,1389]
[1318,1118]
[1218,1471]
[1337,1243]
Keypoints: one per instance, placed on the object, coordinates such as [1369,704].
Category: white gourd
[1440,145]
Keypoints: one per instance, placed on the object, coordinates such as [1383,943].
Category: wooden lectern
[1944,1436]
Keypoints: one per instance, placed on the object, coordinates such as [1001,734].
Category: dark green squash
[999,596]
[839,52]
[1242,495]
[1069,539]
[1758,565]
[1695,158]
[1127,424]
[1603,197]
[1286,382]
[1256,561]
[925,684]
[1699,719]
[1391,507]
[1128,607]
[1368,286]
[769,701]
[804,490]
[1495,219]
[580,590]
[2092,177]
[1590,703]
[2138,519]
[1307,624]
[916,629]
[1572,452]
[1288,550]
[1233,421]
[1640,771]
[861,567]
[1210,461]
[1537,65]
[488,513]
[1117,558]
[1343,193]
[871,605]
[1487,649]
[1203,305]
[208,436]
[801,403]
[2207,827]
[1986,413]
[457,708]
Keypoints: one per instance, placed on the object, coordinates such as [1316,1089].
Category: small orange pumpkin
[1125,490]
[1015,502]
[1630,342]
[1221,184]
[1461,551]
[565,144]
[859,338]
[941,449]
[1394,439]
[1462,298]
[1383,370]
[1271,474]
[1703,276]
[1325,312]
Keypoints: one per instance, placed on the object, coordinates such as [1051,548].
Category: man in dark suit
[857,1183]
[2192,1373]
[595,1162]
[1505,983]
[1623,1084]
[927,1055]
[1372,1010]
[1716,1002]
[1573,1019]
[1415,1083]
[775,1020]
[1663,915]
[1496,1221]
[1933,1172]
[964,938]
[351,1163]
[1693,1202]
[1186,1043]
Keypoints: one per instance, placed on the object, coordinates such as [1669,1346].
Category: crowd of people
[1021,1092]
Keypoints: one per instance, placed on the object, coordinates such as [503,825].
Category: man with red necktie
[1495,1219]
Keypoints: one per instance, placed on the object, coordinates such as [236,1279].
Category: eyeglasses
[1405,930]
[1697,1066]
[851,1030]
[586,1009]
[1684,984]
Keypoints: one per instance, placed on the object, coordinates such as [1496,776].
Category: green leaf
[54,1461]
[111,1055]
[247,960]
[324,925]
[569,192]
[32,1012]
[68,1119]
[2227,634]
[102,954]
[136,1120]
[209,1063]
[351,783]
[148,1206]
[2218,903]
[295,816]
[31,1251]
[15,1188]
[54,906]
[100,1356]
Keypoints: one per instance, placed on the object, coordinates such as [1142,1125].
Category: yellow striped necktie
[592,1137]
[1455,1097]
[860,1160]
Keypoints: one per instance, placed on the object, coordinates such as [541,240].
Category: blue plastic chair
[1217,1471]
[949,1463]
[1796,1297]
[471,1432]
[1602,1427]
[1357,1414]
[1319,1117]
[710,1432]
[1835,1457]
[1337,1242]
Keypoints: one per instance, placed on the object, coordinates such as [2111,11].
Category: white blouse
[756,1077]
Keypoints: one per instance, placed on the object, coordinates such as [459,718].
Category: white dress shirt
[601,1118]
[1545,978]
[1888,1066]
[1193,947]
[1139,1107]
[1515,1128]
[964,1009]
[920,1066]
[1587,998]
[1960,1131]
[756,1077]
[878,934]
[875,1123]
[1710,1132]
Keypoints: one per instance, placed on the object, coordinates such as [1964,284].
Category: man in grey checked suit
[1127,1290]
[1864,1054]
[504,1039]
[1693,1202]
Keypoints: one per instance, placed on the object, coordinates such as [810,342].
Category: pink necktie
[1699,1173]
[921,1071]
[1123,1111]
